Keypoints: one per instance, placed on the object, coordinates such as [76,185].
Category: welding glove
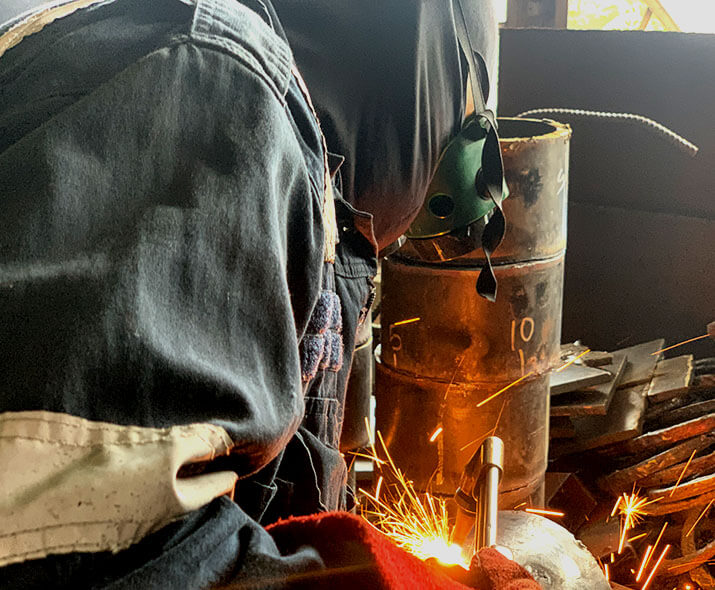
[490,570]
[358,556]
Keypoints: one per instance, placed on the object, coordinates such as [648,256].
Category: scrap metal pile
[632,462]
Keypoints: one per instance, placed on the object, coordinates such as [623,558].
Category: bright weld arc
[679,344]
[692,528]
[682,473]
[655,567]
[503,389]
[435,434]
[573,360]
[547,512]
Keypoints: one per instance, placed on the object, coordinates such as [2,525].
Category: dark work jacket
[161,263]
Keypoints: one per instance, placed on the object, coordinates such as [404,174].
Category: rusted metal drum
[446,354]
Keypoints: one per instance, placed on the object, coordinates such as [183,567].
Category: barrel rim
[558,130]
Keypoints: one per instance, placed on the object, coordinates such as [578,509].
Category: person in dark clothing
[180,282]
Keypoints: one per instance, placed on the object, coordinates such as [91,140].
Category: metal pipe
[439,370]
[487,493]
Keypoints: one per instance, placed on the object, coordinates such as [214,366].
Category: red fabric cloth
[358,556]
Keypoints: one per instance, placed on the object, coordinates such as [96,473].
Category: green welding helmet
[462,210]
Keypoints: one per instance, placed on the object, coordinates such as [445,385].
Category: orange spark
[419,523]
[503,389]
[645,559]
[435,434]
[632,511]
[377,488]
[546,512]
[652,553]
[608,575]
[655,567]
[613,557]
[680,344]
[370,437]
[615,507]
[692,528]
[403,322]
[573,360]
[637,537]
[519,506]
[489,433]
[682,473]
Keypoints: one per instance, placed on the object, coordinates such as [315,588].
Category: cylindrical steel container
[439,378]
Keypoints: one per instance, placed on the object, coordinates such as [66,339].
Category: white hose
[678,140]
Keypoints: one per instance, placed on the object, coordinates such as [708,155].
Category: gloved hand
[490,570]
[358,556]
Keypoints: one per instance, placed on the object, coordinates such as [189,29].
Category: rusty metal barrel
[453,368]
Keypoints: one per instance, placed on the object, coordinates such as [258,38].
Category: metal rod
[487,492]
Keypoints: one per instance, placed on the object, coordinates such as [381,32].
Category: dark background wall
[641,248]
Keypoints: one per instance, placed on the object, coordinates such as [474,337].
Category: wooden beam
[662,15]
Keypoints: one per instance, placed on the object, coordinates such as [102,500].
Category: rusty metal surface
[659,414]
[600,535]
[459,349]
[410,409]
[462,336]
[624,420]
[574,377]
[685,489]
[661,439]
[701,574]
[672,377]
[561,427]
[591,358]
[703,464]
[592,400]
[642,360]
[683,414]
[621,479]
[569,495]
[660,508]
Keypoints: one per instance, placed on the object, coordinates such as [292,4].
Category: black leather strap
[492,165]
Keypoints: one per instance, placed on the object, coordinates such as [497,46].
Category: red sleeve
[358,556]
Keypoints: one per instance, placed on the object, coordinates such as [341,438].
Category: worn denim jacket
[162,263]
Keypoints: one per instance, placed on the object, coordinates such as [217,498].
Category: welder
[183,266]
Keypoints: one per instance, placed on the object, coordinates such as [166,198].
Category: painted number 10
[522,331]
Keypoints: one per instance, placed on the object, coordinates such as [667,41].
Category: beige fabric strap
[69,484]
[330,224]
[39,19]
